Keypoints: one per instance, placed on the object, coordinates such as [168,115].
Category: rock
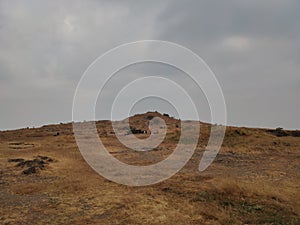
[16,160]
[34,165]
[30,170]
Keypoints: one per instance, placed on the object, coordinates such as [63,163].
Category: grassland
[253,180]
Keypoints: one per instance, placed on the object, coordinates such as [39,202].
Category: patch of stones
[279,132]
[32,166]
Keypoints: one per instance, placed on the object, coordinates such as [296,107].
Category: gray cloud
[253,47]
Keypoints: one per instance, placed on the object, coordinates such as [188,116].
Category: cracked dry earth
[253,180]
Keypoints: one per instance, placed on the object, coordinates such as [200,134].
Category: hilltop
[253,180]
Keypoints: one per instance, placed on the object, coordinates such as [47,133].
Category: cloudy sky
[253,47]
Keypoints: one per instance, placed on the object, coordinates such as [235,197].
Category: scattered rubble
[34,165]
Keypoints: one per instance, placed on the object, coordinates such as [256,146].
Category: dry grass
[254,180]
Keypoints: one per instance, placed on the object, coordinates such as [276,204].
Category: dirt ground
[253,180]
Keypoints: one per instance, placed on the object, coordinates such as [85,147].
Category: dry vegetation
[253,180]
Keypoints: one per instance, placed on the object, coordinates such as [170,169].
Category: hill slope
[253,180]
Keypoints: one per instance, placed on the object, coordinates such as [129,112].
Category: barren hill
[253,180]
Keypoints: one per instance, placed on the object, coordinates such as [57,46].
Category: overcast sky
[253,47]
